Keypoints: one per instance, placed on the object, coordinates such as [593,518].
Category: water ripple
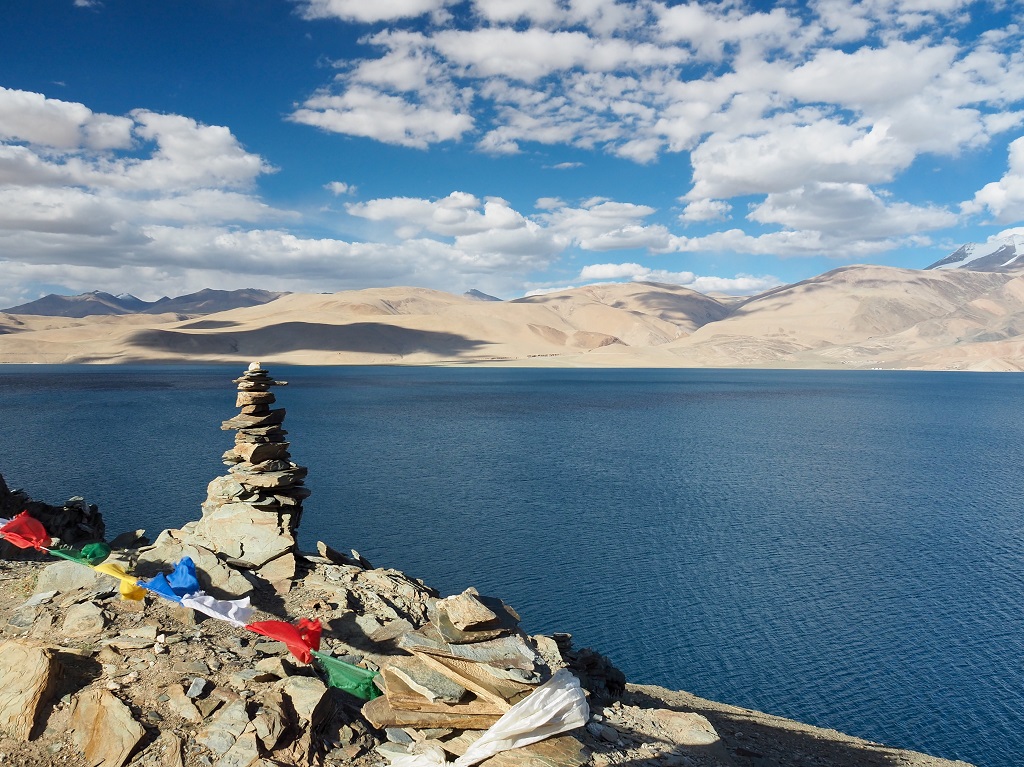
[844,549]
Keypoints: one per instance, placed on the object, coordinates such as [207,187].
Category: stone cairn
[251,515]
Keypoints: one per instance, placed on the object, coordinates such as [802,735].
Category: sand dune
[853,317]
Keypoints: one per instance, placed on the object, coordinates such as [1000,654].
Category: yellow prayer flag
[129,584]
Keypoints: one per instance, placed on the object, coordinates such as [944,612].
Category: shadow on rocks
[755,739]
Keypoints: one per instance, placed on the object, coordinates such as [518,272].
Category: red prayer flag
[300,639]
[26,532]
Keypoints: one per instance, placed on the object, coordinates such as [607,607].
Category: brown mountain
[852,317]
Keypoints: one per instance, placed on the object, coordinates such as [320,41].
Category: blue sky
[512,146]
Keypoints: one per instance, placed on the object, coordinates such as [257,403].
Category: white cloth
[235,611]
[555,707]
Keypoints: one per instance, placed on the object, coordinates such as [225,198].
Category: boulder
[102,727]
[84,620]
[166,751]
[248,536]
[270,719]
[225,728]
[182,705]
[682,727]
[244,752]
[313,707]
[65,576]
[279,573]
[28,674]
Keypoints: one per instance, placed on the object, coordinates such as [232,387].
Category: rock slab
[27,677]
[103,728]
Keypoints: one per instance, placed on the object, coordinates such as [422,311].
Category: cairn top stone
[256,380]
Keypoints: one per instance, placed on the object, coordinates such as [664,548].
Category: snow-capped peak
[993,256]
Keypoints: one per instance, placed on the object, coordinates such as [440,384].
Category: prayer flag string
[182,586]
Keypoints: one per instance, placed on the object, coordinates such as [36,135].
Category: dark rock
[75,522]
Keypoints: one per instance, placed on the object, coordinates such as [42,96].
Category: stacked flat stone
[251,516]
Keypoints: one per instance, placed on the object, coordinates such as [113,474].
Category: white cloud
[853,21]
[547,290]
[654,237]
[849,211]
[338,188]
[549,203]
[493,223]
[706,210]
[204,206]
[789,156]
[530,54]
[457,214]
[610,272]
[66,144]
[362,10]
[362,111]
[487,234]
[863,78]
[709,30]
[763,103]
[596,217]
[791,115]
[741,284]
[62,210]
[537,11]
[189,155]
[1004,198]
[35,119]
[407,64]
[802,242]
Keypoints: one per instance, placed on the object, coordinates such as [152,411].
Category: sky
[511,146]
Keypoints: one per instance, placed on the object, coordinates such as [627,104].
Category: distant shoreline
[852,318]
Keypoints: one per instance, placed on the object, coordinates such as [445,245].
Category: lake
[842,548]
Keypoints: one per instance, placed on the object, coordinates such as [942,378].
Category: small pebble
[195,689]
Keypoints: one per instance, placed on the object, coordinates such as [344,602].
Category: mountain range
[206,301]
[854,317]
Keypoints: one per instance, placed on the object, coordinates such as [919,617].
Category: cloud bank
[794,129]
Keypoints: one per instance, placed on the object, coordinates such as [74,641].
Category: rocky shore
[149,684]
[98,669]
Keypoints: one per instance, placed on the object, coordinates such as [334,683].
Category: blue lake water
[845,549]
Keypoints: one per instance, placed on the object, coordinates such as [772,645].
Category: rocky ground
[151,684]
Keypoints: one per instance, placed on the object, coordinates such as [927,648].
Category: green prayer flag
[90,554]
[352,679]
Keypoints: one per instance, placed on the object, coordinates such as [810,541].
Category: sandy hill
[840,317]
[855,316]
[638,313]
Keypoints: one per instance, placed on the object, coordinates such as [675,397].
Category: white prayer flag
[235,611]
